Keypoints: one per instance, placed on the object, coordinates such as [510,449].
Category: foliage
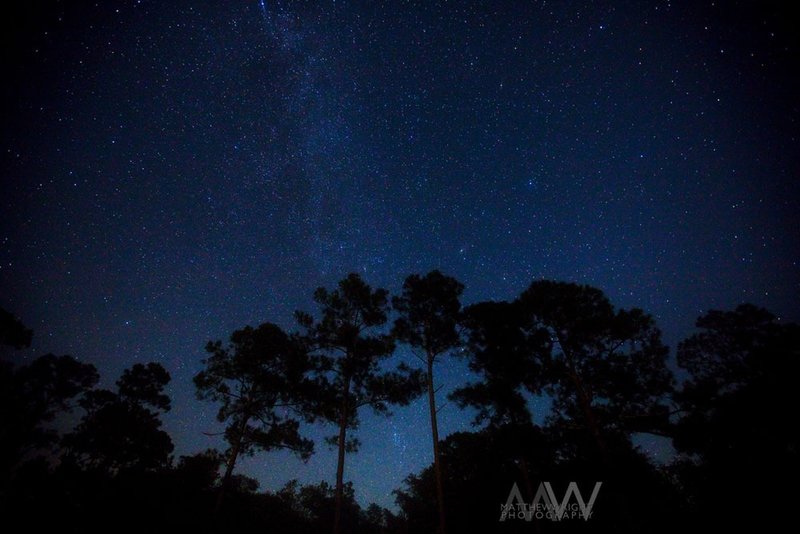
[121,430]
[257,381]
[604,368]
[505,353]
[350,348]
[735,407]
[32,397]
[13,333]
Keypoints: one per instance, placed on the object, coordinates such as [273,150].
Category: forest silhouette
[75,457]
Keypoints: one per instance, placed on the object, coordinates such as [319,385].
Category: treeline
[85,459]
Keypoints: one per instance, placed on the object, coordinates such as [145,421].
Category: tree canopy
[121,430]
[261,383]
[92,454]
[350,346]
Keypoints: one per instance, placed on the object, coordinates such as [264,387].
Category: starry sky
[172,171]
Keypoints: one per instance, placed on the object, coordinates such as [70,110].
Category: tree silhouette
[503,349]
[482,470]
[13,333]
[604,368]
[737,406]
[200,471]
[479,477]
[505,352]
[32,396]
[429,310]
[605,371]
[347,341]
[121,430]
[258,381]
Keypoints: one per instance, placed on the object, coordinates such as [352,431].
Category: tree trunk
[235,449]
[337,519]
[591,422]
[526,479]
[436,463]
[585,403]
[619,498]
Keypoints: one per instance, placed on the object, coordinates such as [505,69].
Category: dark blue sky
[172,171]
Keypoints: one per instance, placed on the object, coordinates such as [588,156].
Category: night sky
[172,171]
